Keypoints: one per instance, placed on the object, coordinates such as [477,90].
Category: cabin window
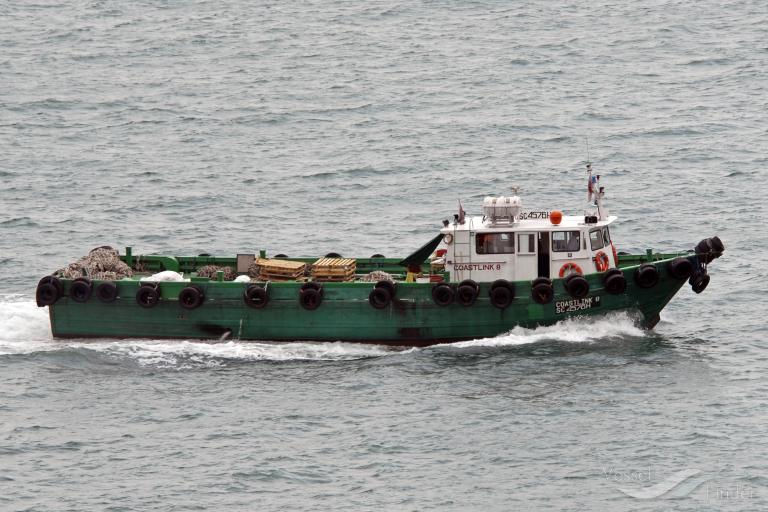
[495,243]
[596,239]
[566,241]
[606,237]
[526,243]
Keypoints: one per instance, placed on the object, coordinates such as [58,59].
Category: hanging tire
[614,281]
[106,292]
[680,268]
[388,285]
[312,286]
[577,286]
[147,296]
[48,291]
[717,245]
[646,275]
[191,297]
[380,297]
[333,255]
[467,292]
[81,289]
[706,251]
[255,296]
[55,281]
[502,293]
[699,282]
[501,297]
[542,291]
[310,298]
[442,294]
[377,255]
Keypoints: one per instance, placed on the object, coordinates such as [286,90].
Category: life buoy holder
[569,269]
[601,261]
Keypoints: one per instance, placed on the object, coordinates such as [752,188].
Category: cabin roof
[475,223]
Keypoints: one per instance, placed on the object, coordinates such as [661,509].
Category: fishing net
[376,276]
[209,271]
[102,263]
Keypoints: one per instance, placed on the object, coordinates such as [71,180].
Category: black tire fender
[699,282]
[255,296]
[311,286]
[614,281]
[389,285]
[147,296]
[191,297]
[46,294]
[467,292]
[380,297]
[542,292]
[81,289]
[577,286]
[310,298]
[680,268]
[501,296]
[647,275]
[106,292]
[443,294]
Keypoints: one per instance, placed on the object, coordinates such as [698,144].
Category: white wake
[25,329]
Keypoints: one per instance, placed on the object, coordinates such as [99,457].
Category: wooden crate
[280,270]
[334,269]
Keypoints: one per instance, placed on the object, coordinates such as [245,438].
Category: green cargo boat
[479,277]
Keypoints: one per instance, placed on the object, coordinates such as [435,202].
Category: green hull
[345,314]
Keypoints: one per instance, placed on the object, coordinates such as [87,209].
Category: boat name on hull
[573,305]
[477,266]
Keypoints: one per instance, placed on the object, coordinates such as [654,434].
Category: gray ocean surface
[231,126]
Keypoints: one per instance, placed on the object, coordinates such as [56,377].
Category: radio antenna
[586,140]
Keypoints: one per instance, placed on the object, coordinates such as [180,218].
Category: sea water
[225,127]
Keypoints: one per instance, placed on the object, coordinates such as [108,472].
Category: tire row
[501,293]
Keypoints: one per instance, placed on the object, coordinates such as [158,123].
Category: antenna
[586,140]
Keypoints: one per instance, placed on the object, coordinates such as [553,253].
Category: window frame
[600,237]
[552,241]
[493,244]
[530,243]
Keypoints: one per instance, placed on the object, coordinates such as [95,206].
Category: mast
[595,190]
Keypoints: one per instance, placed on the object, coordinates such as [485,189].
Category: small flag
[461,213]
[591,183]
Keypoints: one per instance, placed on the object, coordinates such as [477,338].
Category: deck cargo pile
[280,270]
[334,269]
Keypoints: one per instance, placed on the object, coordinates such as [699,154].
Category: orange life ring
[570,268]
[601,261]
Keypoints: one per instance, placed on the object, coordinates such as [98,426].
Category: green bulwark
[345,313]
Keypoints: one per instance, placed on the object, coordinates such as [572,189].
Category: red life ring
[601,261]
[570,268]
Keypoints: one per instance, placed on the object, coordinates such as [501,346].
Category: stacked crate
[334,269]
[280,270]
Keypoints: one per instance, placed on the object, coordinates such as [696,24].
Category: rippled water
[225,127]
